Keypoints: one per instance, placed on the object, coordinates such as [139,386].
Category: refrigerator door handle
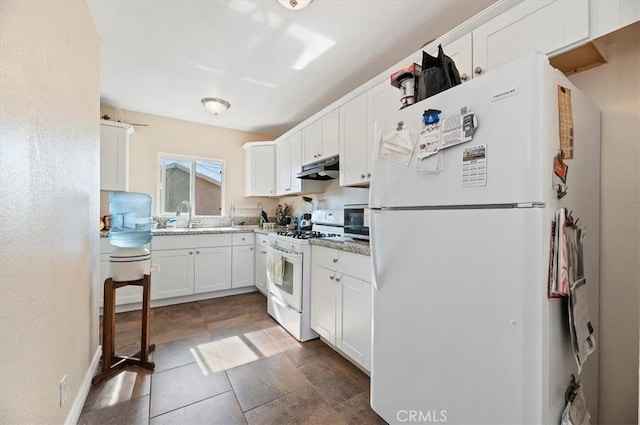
[372,240]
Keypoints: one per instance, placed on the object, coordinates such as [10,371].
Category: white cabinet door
[212,270]
[283,166]
[174,278]
[243,266]
[114,157]
[606,16]
[354,329]
[311,139]
[323,302]
[261,263]
[330,134]
[260,175]
[461,51]
[531,26]
[353,142]
[295,162]
[382,101]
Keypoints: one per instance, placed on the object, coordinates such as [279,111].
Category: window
[196,180]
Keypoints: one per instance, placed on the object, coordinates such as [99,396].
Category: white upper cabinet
[289,163]
[354,152]
[260,173]
[320,138]
[606,16]
[330,134]
[531,26]
[460,51]
[114,155]
[284,166]
[311,136]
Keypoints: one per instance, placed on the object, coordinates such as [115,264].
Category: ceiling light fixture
[215,106]
[294,4]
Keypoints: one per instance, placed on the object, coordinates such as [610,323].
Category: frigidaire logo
[418,416]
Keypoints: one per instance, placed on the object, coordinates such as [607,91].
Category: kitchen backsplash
[333,198]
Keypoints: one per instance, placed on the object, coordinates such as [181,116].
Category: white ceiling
[275,66]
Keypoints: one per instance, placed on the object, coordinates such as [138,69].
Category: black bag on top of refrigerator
[438,74]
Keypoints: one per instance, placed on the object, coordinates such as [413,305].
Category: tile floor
[226,361]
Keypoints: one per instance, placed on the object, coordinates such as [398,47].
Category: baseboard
[83,392]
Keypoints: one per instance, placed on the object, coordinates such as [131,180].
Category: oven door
[290,290]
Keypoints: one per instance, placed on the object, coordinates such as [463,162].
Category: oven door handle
[291,256]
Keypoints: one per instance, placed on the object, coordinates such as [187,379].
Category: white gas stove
[289,272]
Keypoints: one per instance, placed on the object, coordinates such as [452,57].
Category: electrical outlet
[63,390]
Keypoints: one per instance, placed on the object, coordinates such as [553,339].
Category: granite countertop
[199,230]
[357,247]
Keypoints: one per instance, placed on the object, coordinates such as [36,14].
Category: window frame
[160,190]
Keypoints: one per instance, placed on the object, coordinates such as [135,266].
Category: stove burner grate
[306,234]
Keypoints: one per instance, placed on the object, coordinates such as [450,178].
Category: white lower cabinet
[174,274]
[212,269]
[243,260]
[261,263]
[323,302]
[341,301]
[355,321]
[195,264]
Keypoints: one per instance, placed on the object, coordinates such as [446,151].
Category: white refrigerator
[463,330]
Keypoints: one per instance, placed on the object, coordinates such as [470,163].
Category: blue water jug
[131,219]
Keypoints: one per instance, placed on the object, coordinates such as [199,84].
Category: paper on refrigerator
[575,412]
[582,336]
[397,145]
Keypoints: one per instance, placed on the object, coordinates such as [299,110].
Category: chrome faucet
[182,204]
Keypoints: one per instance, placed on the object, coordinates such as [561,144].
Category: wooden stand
[111,363]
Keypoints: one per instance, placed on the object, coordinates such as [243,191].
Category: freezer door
[512,127]
[457,315]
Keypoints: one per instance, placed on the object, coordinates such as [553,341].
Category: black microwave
[356,221]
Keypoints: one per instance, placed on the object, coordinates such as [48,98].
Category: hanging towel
[275,266]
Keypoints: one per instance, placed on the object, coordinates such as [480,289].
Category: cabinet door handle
[242,238]
[263,252]
[477,70]
[332,277]
[361,176]
[337,279]
[464,77]
[368,174]
[190,252]
[335,260]
[197,252]
[250,249]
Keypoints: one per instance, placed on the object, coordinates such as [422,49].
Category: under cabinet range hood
[325,169]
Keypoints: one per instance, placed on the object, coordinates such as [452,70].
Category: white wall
[615,88]
[49,176]
[170,135]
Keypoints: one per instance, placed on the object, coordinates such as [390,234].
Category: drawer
[349,263]
[262,240]
[243,239]
[190,241]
